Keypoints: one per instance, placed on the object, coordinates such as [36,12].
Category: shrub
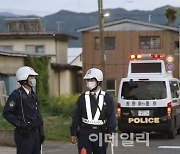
[63,105]
[40,65]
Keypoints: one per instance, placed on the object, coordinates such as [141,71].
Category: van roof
[148,68]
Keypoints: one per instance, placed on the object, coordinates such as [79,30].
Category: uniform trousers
[92,140]
[29,144]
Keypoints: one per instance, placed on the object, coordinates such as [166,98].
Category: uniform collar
[26,90]
[97,92]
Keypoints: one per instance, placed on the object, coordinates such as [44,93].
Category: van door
[174,85]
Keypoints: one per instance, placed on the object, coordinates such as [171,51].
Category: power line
[78,5]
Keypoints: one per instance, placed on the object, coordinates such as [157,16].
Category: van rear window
[146,68]
[144,90]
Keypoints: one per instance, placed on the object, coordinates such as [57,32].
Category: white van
[149,98]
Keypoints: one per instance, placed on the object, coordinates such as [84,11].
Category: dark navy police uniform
[21,110]
[85,124]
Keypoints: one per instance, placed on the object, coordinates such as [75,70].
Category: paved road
[158,144]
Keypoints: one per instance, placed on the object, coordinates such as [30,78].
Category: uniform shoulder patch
[11,104]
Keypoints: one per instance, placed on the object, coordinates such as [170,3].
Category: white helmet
[94,73]
[23,72]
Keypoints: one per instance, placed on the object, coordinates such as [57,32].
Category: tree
[171,14]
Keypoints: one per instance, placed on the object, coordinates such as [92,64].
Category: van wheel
[178,131]
[172,133]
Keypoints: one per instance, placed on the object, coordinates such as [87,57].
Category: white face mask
[91,85]
[32,82]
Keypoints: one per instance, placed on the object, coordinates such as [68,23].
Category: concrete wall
[61,52]
[68,82]
[9,64]
[20,45]
[54,83]
[56,48]
[63,82]
[7,138]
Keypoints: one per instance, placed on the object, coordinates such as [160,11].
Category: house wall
[54,83]
[63,82]
[8,68]
[9,64]
[127,42]
[61,52]
[68,79]
[56,48]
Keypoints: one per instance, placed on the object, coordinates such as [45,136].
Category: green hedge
[40,65]
[63,105]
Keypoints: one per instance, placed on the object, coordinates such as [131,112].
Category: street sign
[170,67]
[170,58]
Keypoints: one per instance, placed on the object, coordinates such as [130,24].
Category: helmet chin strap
[95,88]
[27,84]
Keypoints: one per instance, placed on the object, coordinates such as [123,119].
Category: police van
[149,97]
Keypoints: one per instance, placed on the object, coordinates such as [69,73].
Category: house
[75,59]
[75,56]
[10,61]
[122,38]
[26,36]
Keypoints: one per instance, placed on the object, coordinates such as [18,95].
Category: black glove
[41,135]
[25,129]
[42,138]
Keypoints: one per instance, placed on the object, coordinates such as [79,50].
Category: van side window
[174,88]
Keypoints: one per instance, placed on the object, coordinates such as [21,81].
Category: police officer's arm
[76,121]
[111,118]
[10,108]
[41,128]
[39,114]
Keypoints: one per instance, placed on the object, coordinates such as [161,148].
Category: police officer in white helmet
[94,116]
[21,110]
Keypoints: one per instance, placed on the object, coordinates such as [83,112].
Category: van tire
[172,133]
[178,131]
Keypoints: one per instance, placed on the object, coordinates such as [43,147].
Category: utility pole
[59,23]
[179,52]
[101,36]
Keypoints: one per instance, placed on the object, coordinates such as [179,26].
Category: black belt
[34,127]
[31,128]
[94,127]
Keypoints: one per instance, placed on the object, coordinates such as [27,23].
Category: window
[10,83]
[144,90]
[176,47]
[149,42]
[109,43]
[174,88]
[146,68]
[35,48]
[97,43]
[6,47]
[111,87]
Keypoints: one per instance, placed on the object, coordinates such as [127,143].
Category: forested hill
[67,21]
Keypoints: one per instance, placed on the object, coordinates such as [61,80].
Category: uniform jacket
[108,113]
[14,114]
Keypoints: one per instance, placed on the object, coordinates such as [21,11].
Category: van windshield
[144,90]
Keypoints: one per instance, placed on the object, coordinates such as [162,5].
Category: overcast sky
[46,7]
